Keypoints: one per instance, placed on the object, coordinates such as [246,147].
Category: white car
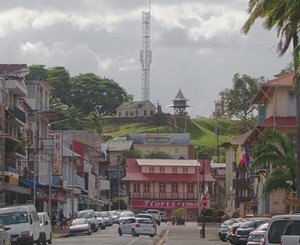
[138,226]
[125,216]
[45,223]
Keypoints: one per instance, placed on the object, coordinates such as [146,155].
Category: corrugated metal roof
[166,162]
[133,105]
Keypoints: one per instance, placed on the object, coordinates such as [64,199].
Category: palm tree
[281,152]
[285,15]
[94,121]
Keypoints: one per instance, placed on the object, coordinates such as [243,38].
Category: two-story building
[136,109]
[165,184]
[276,101]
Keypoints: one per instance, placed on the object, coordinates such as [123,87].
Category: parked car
[137,226]
[163,216]
[46,228]
[90,215]
[4,236]
[223,229]
[258,234]
[278,226]
[242,233]
[125,215]
[115,216]
[80,226]
[107,218]
[100,220]
[22,223]
[156,215]
[291,234]
[231,235]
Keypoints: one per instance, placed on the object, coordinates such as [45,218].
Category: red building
[168,183]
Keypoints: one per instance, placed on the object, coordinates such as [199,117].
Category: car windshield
[79,221]
[145,221]
[145,216]
[85,215]
[152,212]
[14,218]
[247,224]
[127,214]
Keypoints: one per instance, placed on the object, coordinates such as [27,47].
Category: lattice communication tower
[146,56]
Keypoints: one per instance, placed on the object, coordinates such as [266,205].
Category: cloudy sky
[196,44]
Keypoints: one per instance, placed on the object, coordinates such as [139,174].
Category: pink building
[168,183]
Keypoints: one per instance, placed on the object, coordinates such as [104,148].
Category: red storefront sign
[193,204]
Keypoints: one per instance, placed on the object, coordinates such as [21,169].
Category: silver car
[256,235]
[80,226]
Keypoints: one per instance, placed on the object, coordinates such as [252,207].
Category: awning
[16,188]
[84,199]
[32,182]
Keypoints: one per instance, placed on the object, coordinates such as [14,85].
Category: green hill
[202,130]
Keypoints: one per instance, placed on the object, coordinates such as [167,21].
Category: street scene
[150,122]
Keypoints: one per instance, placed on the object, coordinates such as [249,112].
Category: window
[131,113]
[293,228]
[147,187]
[174,170]
[185,170]
[162,188]
[276,230]
[151,113]
[136,187]
[190,188]
[145,113]
[176,150]
[151,169]
[174,188]
[136,112]
[162,169]
[126,113]
[120,114]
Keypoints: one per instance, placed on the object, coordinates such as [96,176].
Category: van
[280,225]
[156,215]
[46,233]
[23,223]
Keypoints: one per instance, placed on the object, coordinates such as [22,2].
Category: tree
[37,72]
[59,78]
[238,100]
[94,121]
[93,93]
[288,68]
[281,153]
[157,155]
[130,154]
[284,14]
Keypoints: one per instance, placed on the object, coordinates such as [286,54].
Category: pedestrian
[254,204]
[53,220]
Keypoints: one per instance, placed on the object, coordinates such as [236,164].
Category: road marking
[162,241]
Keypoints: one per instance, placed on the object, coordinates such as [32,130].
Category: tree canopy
[238,99]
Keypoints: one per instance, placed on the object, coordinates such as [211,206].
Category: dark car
[242,233]
[231,235]
[223,229]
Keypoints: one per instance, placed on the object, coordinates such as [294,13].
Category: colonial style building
[136,109]
[165,184]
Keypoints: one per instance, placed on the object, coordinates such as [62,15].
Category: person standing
[254,204]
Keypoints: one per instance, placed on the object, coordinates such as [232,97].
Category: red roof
[133,173]
[286,79]
[267,88]
[8,68]
[279,121]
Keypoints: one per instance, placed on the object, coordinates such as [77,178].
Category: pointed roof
[179,96]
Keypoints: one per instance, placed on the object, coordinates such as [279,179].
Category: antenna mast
[146,55]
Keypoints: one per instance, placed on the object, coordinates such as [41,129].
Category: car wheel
[103,227]
[133,232]
[120,232]
[50,240]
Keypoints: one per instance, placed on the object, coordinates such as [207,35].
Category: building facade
[165,184]
[176,145]
[136,109]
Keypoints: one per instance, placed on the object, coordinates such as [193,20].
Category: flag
[248,160]
[245,156]
[238,156]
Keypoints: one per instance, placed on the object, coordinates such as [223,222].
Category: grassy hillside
[202,130]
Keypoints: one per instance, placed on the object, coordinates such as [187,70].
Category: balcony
[16,87]
[14,112]
[163,195]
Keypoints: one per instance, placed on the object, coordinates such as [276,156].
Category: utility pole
[118,181]
[217,111]
[198,181]
[2,138]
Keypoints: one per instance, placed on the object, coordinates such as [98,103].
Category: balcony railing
[163,195]
[15,113]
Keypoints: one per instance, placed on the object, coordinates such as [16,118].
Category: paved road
[109,236]
[170,235]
